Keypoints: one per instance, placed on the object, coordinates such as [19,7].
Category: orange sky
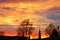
[13,12]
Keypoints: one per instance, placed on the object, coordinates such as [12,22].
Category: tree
[58,29]
[54,33]
[50,28]
[21,31]
[24,27]
[30,30]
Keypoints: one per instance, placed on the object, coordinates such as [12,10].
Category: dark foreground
[12,38]
[25,38]
[52,38]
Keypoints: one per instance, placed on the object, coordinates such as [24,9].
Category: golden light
[35,36]
[20,11]
[45,36]
[9,21]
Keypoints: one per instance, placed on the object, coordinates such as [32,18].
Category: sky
[40,12]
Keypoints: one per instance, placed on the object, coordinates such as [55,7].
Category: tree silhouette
[30,30]
[21,31]
[25,27]
[54,33]
[57,26]
[50,28]
[58,29]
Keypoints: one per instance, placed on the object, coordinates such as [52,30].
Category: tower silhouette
[39,35]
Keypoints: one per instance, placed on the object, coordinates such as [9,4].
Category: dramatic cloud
[51,13]
[7,0]
[22,0]
[57,0]
[54,17]
[40,12]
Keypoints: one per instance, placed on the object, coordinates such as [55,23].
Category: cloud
[6,8]
[7,0]
[3,0]
[8,28]
[57,23]
[54,17]
[4,11]
[1,14]
[57,0]
[22,0]
[51,13]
